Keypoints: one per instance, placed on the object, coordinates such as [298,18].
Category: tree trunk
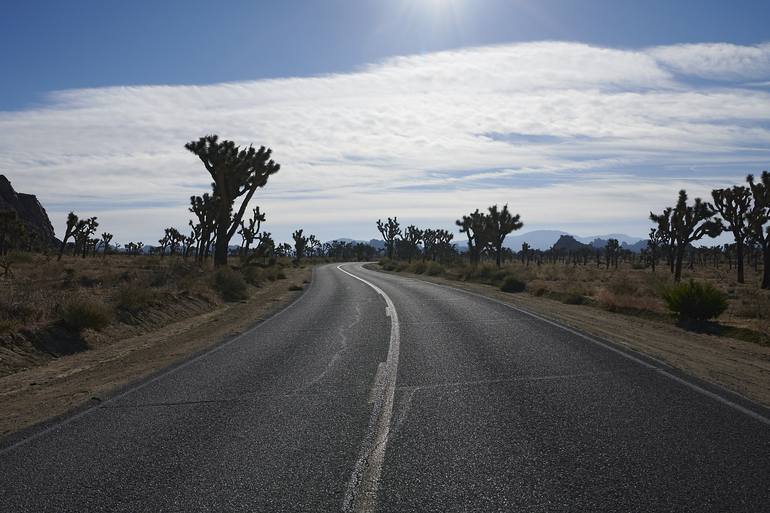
[499,250]
[678,265]
[220,249]
[739,261]
[766,266]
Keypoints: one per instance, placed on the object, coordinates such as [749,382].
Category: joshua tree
[412,237]
[758,218]
[474,226]
[204,208]
[688,224]
[82,233]
[734,205]
[300,243]
[664,234]
[236,172]
[612,251]
[106,238]
[499,224]
[525,252]
[72,221]
[653,244]
[390,232]
[249,231]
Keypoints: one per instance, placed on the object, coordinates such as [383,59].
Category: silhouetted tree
[412,237]
[474,226]
[72,221]
[653,244]
[688,224]
[390,232]
[106,238]
[664,234]
[236,172]
[612,251]
[759,217]
[734,205]
[300,243]
[499,224]
[204,208]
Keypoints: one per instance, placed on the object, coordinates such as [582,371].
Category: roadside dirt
[742,367]
[39,393]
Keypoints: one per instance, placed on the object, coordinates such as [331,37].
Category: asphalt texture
[494,410]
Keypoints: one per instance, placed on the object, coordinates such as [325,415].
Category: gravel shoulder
[66,383]
[742,367]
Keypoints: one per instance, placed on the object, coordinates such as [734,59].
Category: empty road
[375,392]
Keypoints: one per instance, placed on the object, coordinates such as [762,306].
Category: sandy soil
[742,367]
[42,392]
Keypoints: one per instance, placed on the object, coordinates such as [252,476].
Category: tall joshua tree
[690,223]
[236,172]
[500,223]
[390,232]
[734,205]
[759,217]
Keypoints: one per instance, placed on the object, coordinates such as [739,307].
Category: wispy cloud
[564,132]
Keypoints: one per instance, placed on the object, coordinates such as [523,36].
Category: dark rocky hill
[28,209]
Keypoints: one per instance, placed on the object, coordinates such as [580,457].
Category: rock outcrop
[28,209]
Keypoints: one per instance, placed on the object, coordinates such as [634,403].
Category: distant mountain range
[543,240]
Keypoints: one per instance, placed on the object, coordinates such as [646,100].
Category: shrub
[622,285]
[134,298]
[83,313]
[294,288]
[253,275]
[230,284]
[388,265]
[513,284]
[434,269]
[695,300]
[419,267]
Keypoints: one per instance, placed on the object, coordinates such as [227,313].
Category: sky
[580,115]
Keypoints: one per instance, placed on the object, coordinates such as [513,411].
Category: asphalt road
[397,395]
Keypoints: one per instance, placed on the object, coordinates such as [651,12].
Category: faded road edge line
[361,491]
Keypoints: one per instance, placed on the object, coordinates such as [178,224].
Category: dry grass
[105,299]
[626,290]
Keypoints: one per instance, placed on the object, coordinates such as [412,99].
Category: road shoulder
[38,396]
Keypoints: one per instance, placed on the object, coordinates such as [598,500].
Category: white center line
[361,492]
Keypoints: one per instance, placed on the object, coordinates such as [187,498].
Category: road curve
[474,406]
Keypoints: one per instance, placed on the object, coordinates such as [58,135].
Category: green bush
[695,300]
[134,298]
[83,313]
[513,284]
[230,284]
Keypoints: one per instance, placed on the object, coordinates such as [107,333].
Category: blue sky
[416,108]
